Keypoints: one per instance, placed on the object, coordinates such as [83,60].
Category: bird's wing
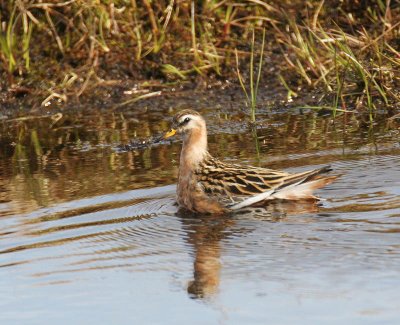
[251,184]
[297,186]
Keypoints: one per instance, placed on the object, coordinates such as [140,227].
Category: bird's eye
[186,120]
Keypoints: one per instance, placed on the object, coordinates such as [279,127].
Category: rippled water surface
[89,234]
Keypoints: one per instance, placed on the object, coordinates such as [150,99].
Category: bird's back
[238,182]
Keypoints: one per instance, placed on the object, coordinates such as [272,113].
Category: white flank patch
[295,191]
[252,200]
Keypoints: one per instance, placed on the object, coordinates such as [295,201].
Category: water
[89,234]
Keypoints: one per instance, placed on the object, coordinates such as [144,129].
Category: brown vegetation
[62,50]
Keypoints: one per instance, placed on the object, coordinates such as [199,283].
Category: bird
[207,185]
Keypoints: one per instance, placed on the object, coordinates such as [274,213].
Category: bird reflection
[205,233]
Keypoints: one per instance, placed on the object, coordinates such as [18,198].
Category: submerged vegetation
[348,51]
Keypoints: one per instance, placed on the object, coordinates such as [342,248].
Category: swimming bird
[208,185]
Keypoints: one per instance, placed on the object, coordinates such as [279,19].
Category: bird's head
[185,122]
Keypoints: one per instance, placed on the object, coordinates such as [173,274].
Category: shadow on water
[75,212]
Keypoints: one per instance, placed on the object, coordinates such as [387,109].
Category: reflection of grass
[48,163]
[256,141]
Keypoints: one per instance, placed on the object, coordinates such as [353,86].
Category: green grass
[66,49]
[358,68]
[253,86]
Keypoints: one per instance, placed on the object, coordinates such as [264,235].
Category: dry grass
[62,49]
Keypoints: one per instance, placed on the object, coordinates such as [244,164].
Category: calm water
[91,235]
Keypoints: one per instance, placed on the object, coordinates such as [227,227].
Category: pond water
[89,234]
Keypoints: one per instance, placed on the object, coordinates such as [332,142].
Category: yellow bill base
[170,133]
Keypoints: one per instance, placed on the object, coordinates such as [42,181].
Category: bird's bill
[169,134]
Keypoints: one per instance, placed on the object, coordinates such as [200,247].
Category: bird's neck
[194,149]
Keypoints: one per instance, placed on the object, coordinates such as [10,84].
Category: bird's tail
[295,187]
